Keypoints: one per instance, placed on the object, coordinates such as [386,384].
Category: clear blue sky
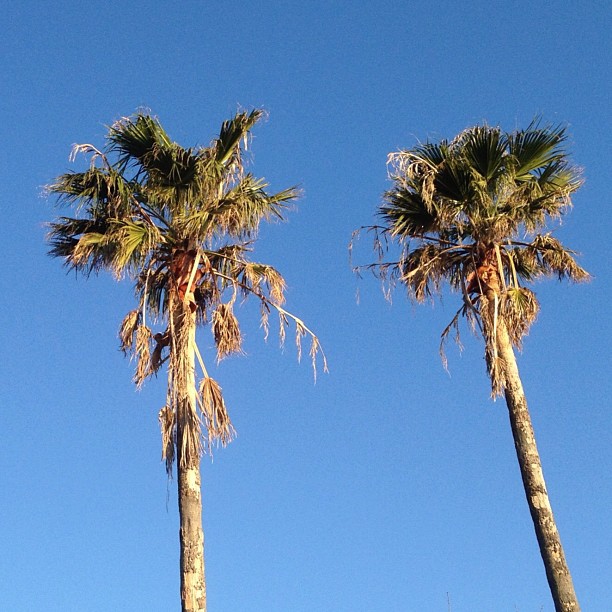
[387,486]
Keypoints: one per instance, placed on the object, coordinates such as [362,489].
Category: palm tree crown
[473,212]
[180,222]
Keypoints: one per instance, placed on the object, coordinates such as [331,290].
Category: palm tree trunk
[557,571]
[191,535]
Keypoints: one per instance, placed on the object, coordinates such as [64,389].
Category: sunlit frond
[226,331]
[484,149]
[139,140]
[535,147]
[519,307]
[226,146]
[128,329]
[553,258]
[216,418]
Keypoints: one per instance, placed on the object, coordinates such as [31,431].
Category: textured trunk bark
[557,571]
[191,535]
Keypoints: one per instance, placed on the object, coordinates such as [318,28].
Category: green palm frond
[453,182]
[406,213]
[135,241]
[232,133]
[242,209]
[139,140]
[239,211]
[535,147]
[104,192]
[484,149]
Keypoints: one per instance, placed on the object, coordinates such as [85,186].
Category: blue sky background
[389,485]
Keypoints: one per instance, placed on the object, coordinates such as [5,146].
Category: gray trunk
[191,535]
[557,571]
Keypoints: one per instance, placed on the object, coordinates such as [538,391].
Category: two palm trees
[180,222]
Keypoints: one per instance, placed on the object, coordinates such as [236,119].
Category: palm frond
[128,329]
[167,424]
[484,148]
[138,140]
[232,133]
[216,418]
[406,213]
[536,147]
[103,191]
[553,258]
[519,307]
[239,211]
[226,331]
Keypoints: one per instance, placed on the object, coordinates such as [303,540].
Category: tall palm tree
[180,222]
[472,213]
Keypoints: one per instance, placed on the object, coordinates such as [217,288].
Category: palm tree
[472,212]
[180,222]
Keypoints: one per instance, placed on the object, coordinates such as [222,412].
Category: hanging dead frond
[191,433]
[315,349]
[142,353]
[453,326]
[264,318]
[276,285]
[215,416]
[226,331]
[519,308]
[300,331]
[168,432]
[491,322]
[273,279]
[182,392]
[283,323]
[128,329]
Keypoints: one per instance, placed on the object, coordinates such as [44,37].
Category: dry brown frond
[166,423]
[315,349]
[191,433]
[300,332]
[182,393]
[453,325]
[226,331]
[277,286]
[264,318]
[216,418]
[283,322]
[519,308]
[496,372]
[252,276]
[128,329]
[142,352]
[489,312]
